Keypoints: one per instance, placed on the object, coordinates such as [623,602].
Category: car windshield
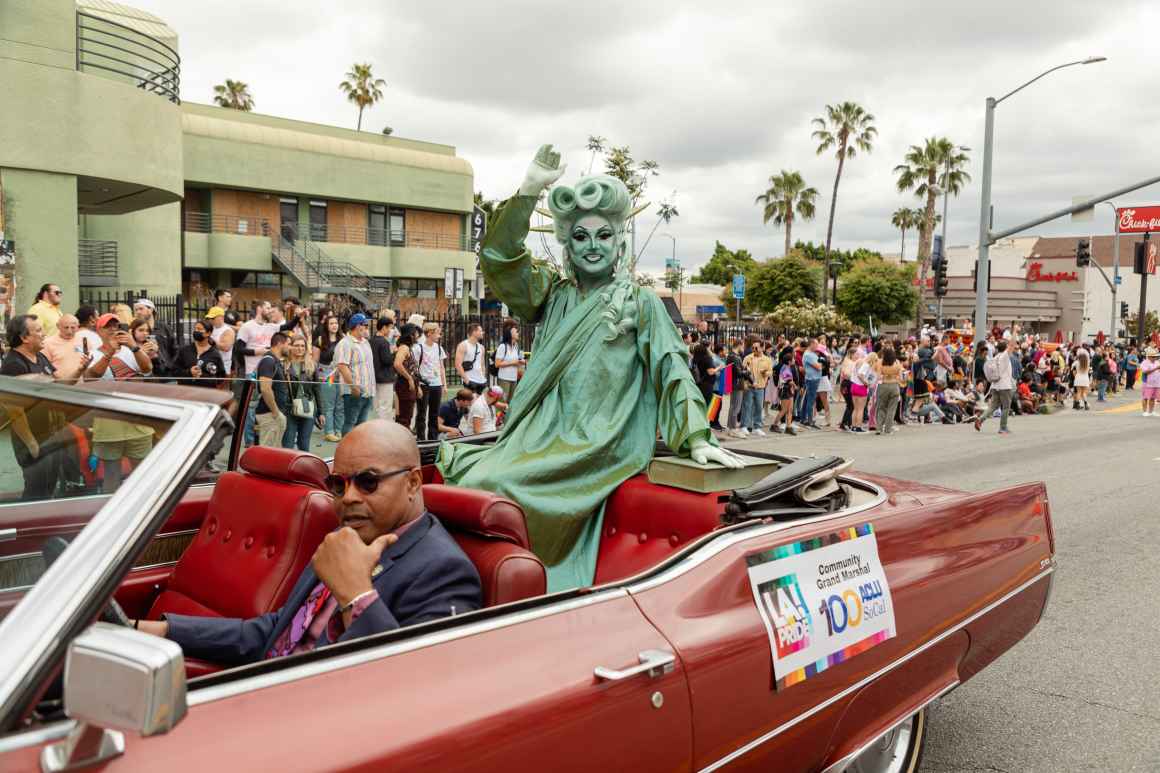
[57,460]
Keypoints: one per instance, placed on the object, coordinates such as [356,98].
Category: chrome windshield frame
[36,633]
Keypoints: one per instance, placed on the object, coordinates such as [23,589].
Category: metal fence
[179,313]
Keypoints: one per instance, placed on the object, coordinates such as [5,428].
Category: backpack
[991,368]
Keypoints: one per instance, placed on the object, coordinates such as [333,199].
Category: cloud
[721,97]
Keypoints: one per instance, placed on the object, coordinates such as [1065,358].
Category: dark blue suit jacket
[425,576]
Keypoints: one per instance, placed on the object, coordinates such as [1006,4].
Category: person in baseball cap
[1150,376]
[356,320]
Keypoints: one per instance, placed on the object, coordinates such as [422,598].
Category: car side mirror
[116,679]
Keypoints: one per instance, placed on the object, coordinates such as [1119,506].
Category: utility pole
[1142,318]
[1115,268]
[986,238]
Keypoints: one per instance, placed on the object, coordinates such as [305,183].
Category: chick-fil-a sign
[1035,273]
[1138,220]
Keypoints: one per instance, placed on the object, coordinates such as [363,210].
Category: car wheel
[898,751]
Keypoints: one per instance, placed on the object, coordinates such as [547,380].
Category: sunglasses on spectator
[366,481]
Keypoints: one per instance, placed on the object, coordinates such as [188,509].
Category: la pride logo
[786,607]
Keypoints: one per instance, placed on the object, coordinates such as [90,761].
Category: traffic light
[1141,257]
[1123,309]
[940,277]
[1083,253]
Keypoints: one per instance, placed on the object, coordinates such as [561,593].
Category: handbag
[301,406]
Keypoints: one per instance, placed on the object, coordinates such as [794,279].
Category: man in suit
[389,564]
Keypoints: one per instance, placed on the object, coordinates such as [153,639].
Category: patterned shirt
[358,357]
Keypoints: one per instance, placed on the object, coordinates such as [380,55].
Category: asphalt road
[1082,692]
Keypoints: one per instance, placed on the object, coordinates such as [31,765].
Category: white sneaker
[759,432]
[735,433]
[1146,413]
[744,432]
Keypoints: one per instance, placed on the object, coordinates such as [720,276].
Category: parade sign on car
[822,601]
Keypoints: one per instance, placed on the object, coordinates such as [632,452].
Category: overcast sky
[721,99]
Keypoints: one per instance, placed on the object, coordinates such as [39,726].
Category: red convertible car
[802,624]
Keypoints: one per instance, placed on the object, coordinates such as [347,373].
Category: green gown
[585,416]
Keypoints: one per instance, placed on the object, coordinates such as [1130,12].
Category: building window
[428,288]
[377,225]
[398,226]
[407,288]
[318,221]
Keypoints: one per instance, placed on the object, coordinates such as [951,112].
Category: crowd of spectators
[883,383]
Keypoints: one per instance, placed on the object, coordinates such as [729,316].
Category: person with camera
[200,360]
[470,360]
[119,355]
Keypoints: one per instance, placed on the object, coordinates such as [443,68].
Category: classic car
[678,657]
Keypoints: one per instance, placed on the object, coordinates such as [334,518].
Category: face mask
[198,336]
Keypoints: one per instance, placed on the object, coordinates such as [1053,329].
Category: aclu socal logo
[787,609]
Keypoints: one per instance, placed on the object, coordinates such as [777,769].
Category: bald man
[65,351]
[389,564]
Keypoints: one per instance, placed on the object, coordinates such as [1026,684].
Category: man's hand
[544,170]
[33,448]
[355,390]
[155,627]
[123,338]
[344,563]
[701,452]
[195,372]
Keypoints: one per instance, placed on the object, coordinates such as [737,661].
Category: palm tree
[930,169]
[596,144]
[787,192]
[362,88]
[233,94]
[849,128]
[904,218]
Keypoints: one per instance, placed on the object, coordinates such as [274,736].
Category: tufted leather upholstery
[644,523]
[260,530]
[493,533]
[286,465]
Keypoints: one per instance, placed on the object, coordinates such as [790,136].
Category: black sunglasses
[366,481]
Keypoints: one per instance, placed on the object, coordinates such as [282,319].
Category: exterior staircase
[317,272]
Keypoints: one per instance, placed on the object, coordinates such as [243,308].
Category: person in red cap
[119,357]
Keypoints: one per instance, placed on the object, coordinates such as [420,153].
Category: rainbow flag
[714,408]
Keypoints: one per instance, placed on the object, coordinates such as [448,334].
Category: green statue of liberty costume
[608,368]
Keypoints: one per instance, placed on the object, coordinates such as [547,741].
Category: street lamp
[981,272]
[675,267]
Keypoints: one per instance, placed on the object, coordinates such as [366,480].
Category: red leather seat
[260,530]
[645,523]
[493,533]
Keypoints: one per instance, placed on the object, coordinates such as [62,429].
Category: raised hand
[544,170]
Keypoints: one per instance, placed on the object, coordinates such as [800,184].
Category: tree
[904,218]
[807,318]
[787,192]
[849,128]
[388,131]
[723,264]
[362,88]
[621,165]
[1151,324]
[784,279]
[925,171]
[596,144]
[233,94]
[645,280]
[675,279]
[880,290]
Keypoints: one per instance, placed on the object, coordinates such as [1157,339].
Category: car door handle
[652,662]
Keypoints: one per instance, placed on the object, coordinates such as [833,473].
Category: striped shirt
[357,356]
